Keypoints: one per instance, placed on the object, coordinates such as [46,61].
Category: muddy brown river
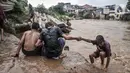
[116,32]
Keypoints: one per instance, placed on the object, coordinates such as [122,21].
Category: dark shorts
[1,23]
[35,52]
[96,54]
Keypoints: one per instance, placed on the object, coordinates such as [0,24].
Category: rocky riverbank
[73,63]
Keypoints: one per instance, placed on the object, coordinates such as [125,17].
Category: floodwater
[117,33]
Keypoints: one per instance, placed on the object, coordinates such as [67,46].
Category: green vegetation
[16,15]
[41,9]
[128,4]
[19,11]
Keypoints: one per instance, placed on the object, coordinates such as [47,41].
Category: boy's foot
[93,65]
[105,69]
[66,48]
[56,58]
[62,56]
[14,55]
[102,66]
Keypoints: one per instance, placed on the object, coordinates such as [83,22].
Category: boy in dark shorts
[28,41]
[103,50]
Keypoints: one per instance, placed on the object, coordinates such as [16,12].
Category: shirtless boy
[103,50]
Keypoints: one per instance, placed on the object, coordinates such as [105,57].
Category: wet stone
[73,59]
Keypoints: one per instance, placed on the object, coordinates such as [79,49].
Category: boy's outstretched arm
[86,40]
[67,37]
[20,46]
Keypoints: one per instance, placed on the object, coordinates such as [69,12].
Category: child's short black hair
[100,39]
[48,24]
[35,26]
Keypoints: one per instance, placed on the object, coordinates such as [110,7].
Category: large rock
[73,63]
[54,20]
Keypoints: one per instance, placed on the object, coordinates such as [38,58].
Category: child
[2,21]
[103,50]
[68,23]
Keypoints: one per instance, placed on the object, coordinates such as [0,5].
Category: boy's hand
[99,48]
[15,55]
[78,39]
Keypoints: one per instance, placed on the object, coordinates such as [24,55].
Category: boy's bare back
[31,38]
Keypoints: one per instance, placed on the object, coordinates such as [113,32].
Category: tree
[41,9]
[16,12]
[128,4]
[58,9]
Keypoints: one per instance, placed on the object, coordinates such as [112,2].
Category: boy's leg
[2,33]
[102,56]
[94,55]
[1,27]
[91,58]
[62,44]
